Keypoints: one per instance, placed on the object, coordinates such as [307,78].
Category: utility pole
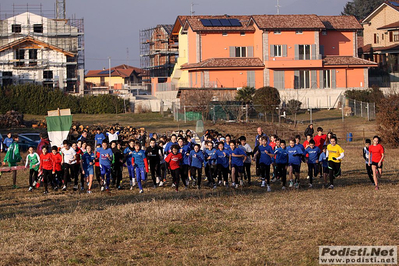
[278,7]
[61,9]
[109,73]
[192,12]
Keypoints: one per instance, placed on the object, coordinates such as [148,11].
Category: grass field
[247,226]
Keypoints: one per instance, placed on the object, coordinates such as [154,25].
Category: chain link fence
[358,108]
[228,112]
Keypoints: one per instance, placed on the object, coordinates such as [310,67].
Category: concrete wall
[313,98]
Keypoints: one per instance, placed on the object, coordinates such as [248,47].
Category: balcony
[285,62]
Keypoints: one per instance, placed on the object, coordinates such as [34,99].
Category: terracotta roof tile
[196,24]
[284,22]
[346,60]
[390,26]
[123,71]
[340,23]
[244,62]
[367,48]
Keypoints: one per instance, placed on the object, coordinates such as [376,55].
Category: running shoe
[64,188]
[310,185]
[141,191]
[30,189]
[34,183]
[75,187]
[173,185]
[236,186]
[291,183]
[161,183]
[263,183]
[274,179]
[283,188]
[296,185]
[102,188]
[88,191]
[233,184]
[131,187]
[241,182]
[269,189]
[45,192]
[331,187]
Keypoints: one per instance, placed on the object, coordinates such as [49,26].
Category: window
[16,28]
[277,32]
[326,78]
[304,52]
[396,36]
[33,57]
[20,56]
[323,32]
[38,28]
[376,38]
[47,74]
[241,51]
[304,79]
[242,33]
[102,81]
[224,33]
[298,32]
[278,50]
[7,78]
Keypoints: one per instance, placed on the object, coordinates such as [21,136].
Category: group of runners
[225,161]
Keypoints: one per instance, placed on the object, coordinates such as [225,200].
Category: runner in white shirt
[68,161]
[112,135]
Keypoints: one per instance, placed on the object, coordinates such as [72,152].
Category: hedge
[37,100]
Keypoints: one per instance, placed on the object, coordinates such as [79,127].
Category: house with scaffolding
[37,49]
[158,53]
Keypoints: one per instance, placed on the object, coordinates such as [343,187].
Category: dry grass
[209,227]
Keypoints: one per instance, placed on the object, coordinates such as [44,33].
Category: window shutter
[296,51]
[279,79]
[321,83]
[322,50]
[271,50]
[296,79]
[313,79]
[313,52]
[191,79]
[391,36]
[251,79]
[333,79]
[232,51]
[202,79]
[284,50]
[250,51]
[375,38]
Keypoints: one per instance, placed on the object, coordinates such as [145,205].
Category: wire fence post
[368,112]
[354,107]
[246,113]
[185,115]
[342,108]
[361,109]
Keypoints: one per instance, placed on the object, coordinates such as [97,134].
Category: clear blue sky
[112,26]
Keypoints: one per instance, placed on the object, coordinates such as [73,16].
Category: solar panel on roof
[225,22]
[215,22]
[394,3]
[235,22]
[206,22]
[106,72]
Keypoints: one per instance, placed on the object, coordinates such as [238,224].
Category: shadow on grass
[69,202]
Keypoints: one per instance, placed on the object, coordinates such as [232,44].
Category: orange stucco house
[283,51]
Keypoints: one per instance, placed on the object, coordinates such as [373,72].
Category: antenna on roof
[127,55]
[278,7]
[192,12]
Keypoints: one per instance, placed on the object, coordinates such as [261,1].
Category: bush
[37,100]
[267,99]
[388,120]
[371,95]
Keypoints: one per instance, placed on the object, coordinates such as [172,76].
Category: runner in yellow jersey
[335,154]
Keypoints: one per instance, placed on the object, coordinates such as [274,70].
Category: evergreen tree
[361,8]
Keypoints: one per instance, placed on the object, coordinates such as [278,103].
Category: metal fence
[358,108]
[224,112]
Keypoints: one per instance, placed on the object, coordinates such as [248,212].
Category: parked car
[25,142]
[33,136]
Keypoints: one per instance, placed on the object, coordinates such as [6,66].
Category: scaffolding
[66,34]
[158,53]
